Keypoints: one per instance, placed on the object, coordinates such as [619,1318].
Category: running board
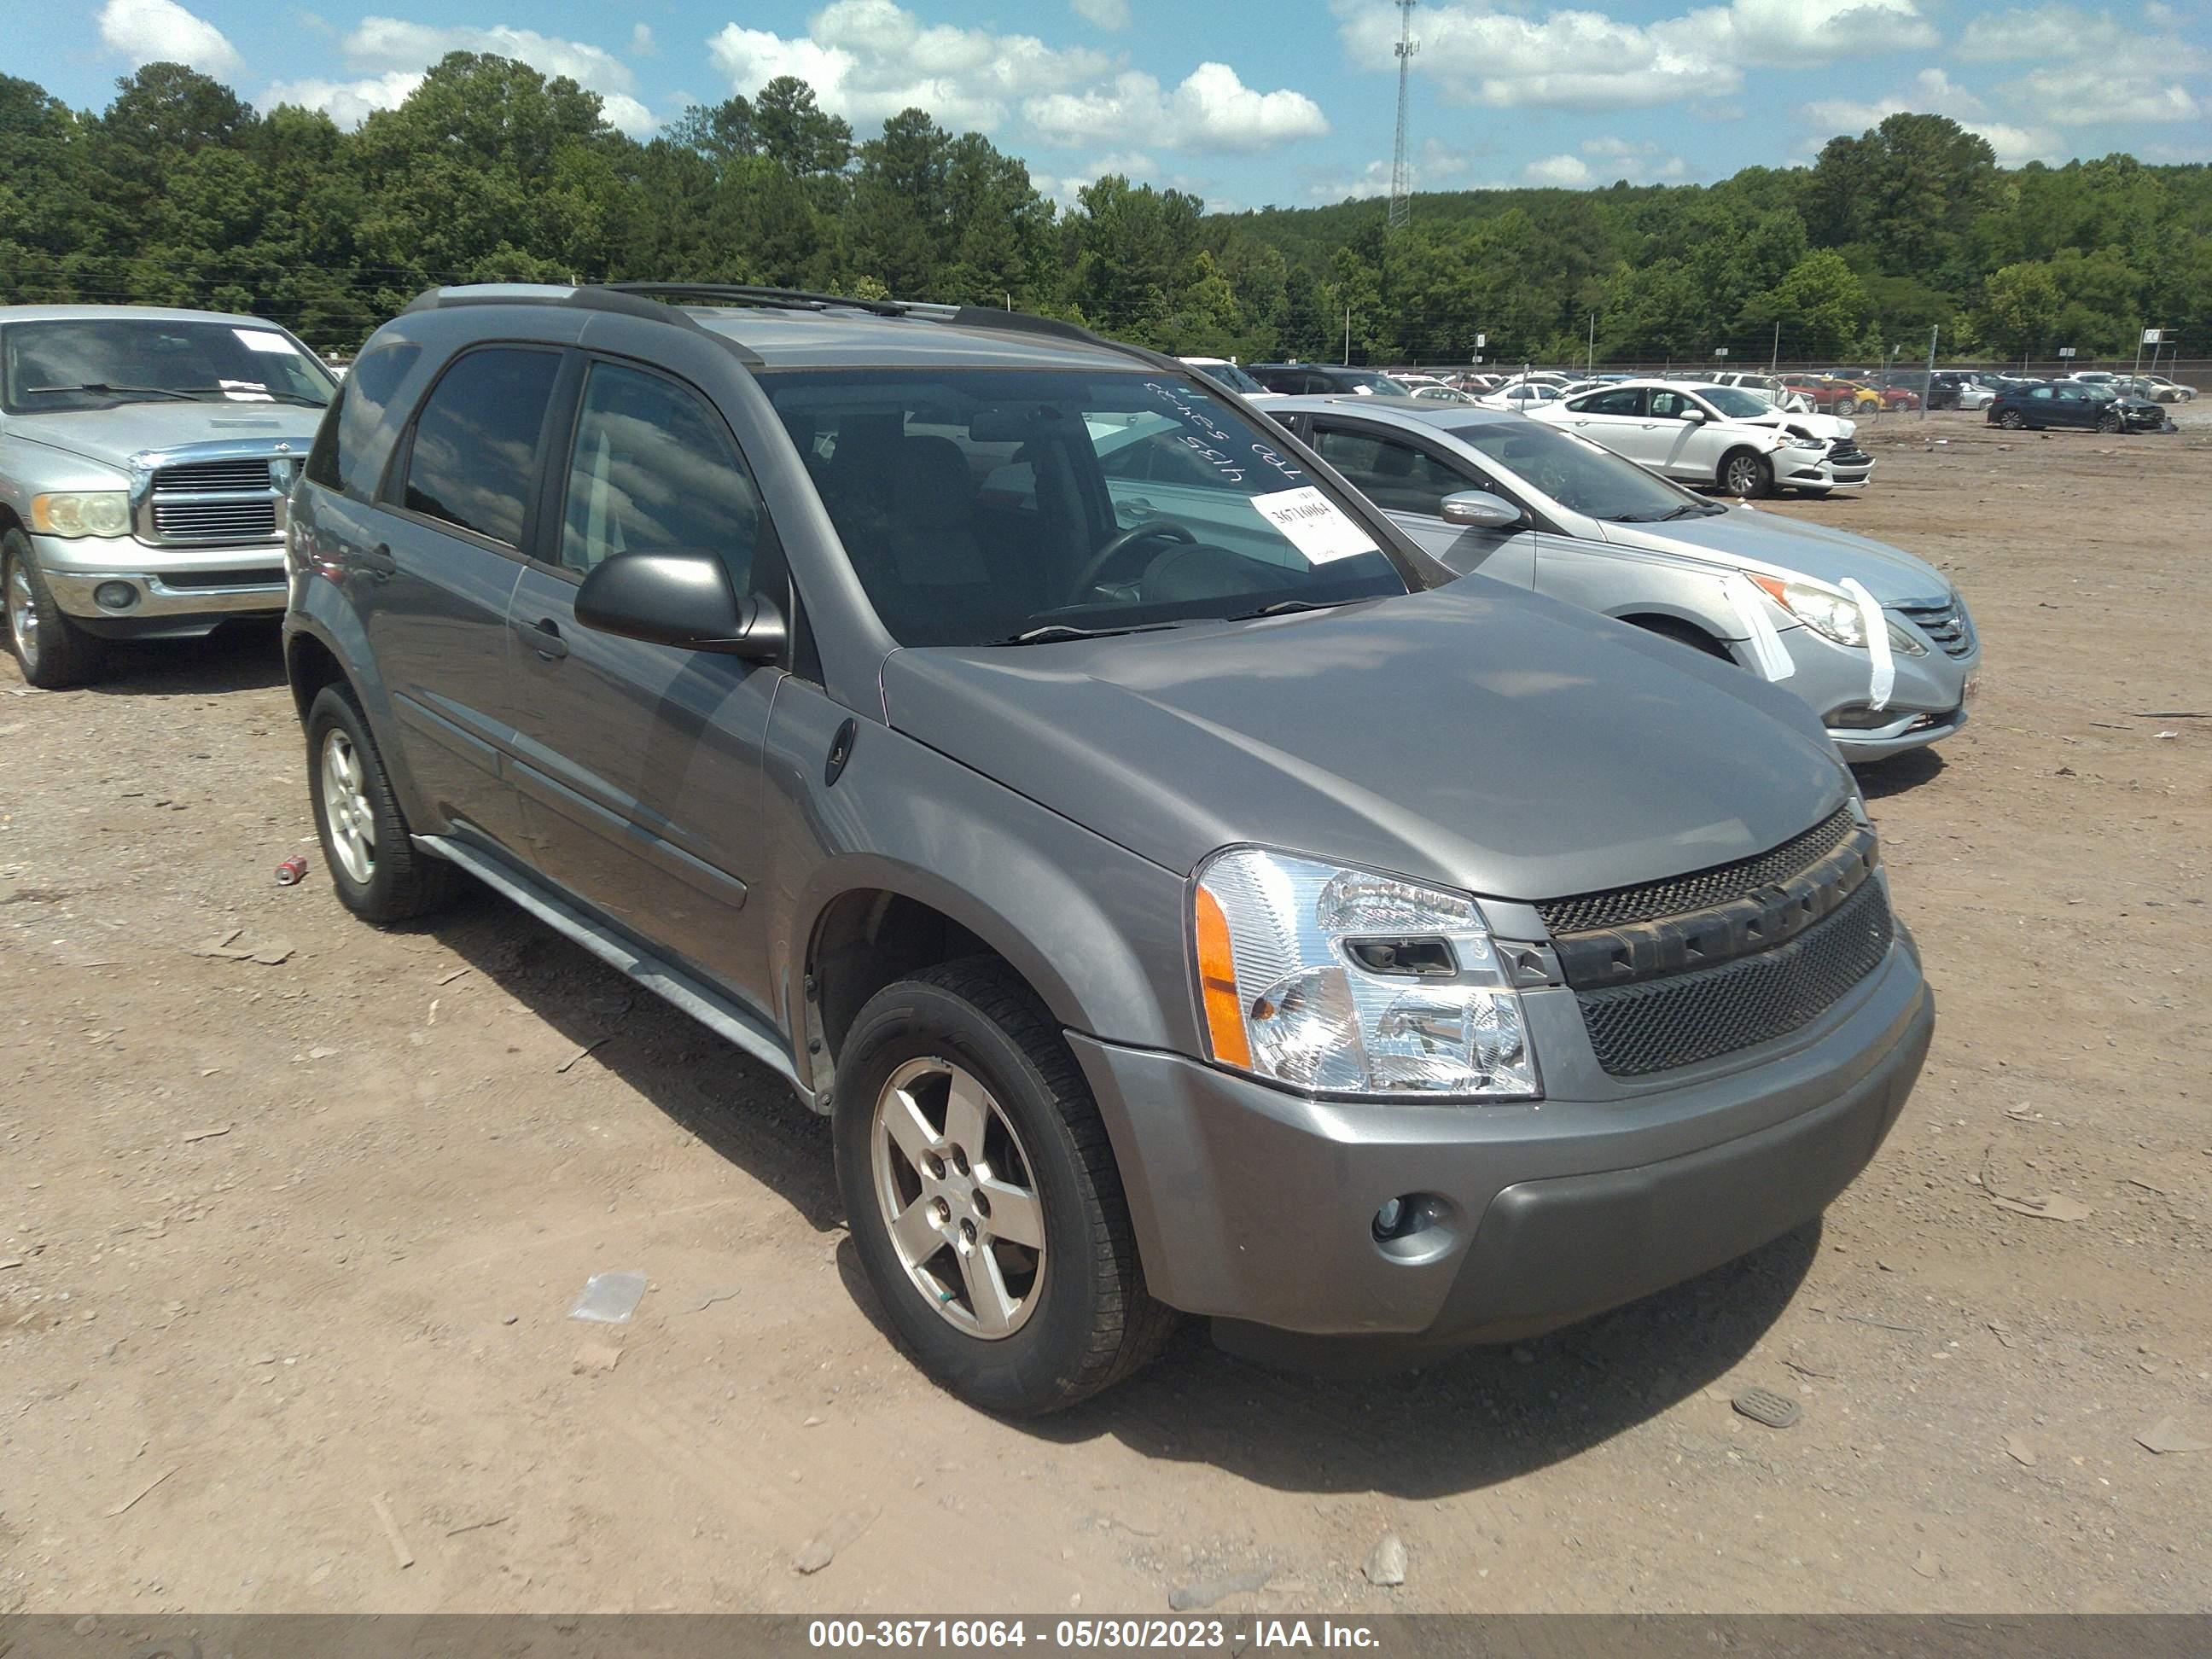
[717,1013]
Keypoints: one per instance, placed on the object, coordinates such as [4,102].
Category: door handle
[544,637]
[379,563]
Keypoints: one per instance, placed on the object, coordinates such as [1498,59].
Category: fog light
[115,596]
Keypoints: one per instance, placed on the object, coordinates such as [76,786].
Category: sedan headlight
[1343,981]
[1808,443]
[91,512]
[1831,613]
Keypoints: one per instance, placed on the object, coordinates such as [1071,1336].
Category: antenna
[1400,184]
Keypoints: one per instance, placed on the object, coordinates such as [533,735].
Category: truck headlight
[91,512]
[1344,981]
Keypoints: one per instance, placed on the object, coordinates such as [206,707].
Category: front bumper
[1813,470]
[1256,1206]
[175,590]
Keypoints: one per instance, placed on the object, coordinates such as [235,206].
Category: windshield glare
[1580,476]
[1737,404]
[979,506]
[48,365]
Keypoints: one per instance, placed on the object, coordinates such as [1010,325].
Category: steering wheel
[1095,566]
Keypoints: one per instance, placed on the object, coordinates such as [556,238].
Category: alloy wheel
[959,1198]
[1743,476]
[346,809]
[24,617]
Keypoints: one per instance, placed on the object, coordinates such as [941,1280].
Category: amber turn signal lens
[1217,984]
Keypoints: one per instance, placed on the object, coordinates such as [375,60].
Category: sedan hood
[1770,544]
[1473,735]
[114,435]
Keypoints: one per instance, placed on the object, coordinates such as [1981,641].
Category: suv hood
[1473,735]
[114,435]
[1774,545]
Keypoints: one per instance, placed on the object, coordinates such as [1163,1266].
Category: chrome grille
[1945,621]
[244,520]
[252,473]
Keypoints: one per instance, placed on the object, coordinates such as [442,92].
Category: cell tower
[1400,184]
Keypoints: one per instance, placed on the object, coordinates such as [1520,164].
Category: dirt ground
[288,1243]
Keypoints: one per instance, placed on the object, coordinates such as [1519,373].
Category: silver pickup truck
[145,457]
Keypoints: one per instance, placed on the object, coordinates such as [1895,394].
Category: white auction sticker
[1315,525]
[260,339]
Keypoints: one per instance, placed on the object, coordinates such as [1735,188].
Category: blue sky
[1288,103]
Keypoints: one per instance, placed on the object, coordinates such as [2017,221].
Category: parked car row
[1185,887]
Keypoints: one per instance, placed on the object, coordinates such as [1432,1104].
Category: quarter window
[475,441]
[654,471]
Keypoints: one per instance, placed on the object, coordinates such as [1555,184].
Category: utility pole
[1400,184]
[1928,391]
[1347,337]
[1774,357]
[1590,362]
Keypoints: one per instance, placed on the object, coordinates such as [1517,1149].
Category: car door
[1408,480]
[1614,418]
[437,560]
[2072,405]
[640,765]
[1674,443]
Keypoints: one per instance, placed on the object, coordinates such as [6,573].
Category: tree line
[181,194]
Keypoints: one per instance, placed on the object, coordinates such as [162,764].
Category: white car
[1524,395]
[1719,436]
[1767,386]
[1223,372]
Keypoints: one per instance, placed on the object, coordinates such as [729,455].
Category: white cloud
[867,60]
[1934,93]
[162,32]
[2086,97]
[395,47]
[2026,32]
[349,103]
[1436,167]
[641,43]
[1635,162]
[1570,172]
[1212,107]
[1482,53]
[1105,13]
[1137,167]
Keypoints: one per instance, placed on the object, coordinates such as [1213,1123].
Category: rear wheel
[983,1198]
[52,651]
[380,873]
[1745,473]
[2011,420]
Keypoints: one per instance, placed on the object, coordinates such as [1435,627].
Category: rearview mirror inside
[683,599]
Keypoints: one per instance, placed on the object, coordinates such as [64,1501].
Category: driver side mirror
[1694,415]
[1478,509]
[683,599]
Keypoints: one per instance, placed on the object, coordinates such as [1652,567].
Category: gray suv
[1217,910]
[145,457]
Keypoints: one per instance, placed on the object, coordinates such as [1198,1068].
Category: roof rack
[747,294]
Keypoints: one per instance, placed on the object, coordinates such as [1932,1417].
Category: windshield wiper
[1052,633]
[256,394]
[1698,509]
[106,390]
[1284,607]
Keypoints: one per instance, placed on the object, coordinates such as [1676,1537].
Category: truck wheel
[381,875]
[1744,472]
[983,1197]
[52,651]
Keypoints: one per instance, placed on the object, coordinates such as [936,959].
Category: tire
[1073,1317]
[51,650]
[1745,473]
[394,880]
[2110,421]
[2011,420]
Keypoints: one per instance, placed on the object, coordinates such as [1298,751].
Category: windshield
[99,362]
[1353,380]
[1737,404]
[1580,476]
[985,506]
[1230,376]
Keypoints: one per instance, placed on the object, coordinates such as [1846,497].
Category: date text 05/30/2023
[1070,1634]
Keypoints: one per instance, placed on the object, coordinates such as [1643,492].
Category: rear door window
[476,444]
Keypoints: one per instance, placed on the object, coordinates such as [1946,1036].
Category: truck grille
[1681,970]
[1945,621]
[1654,1027]
[216,521]
[221,500]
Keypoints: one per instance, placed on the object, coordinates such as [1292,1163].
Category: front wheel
[1746,474]
[982,1196]
[52,651]
[2110,421]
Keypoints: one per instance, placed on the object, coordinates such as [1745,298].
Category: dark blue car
[2075,402]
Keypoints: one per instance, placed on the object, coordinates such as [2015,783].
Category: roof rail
[585,298]
[747,294]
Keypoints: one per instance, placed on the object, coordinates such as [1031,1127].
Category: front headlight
[1808,443]
[1833,614]
[91,512]
[1344,981]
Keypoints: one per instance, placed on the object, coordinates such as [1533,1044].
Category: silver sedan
[1878,642]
